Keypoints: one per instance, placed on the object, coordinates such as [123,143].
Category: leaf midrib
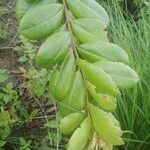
[43,22]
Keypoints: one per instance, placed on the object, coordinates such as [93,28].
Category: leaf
[30,1]
[88,9]
[2,143]
[106,126]
[36,24]
[106,102]
[54,50]
[75,99]
[60,82]
[3,75]
[98,78]
[80,137]
[55,138]
[23,58]
[71,123]
[22,6]
[52,124]
[83,30]
[5,132]
[122,74]
[101,50]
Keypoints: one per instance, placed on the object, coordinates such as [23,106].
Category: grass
[134,106]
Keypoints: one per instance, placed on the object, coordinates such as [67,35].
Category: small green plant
[25,144]
[8,119]
[4,126]
[8,94]
[87,71]
[26,51]
[3,75]
[37,81]
[3,11]
[3,33]
[13,114]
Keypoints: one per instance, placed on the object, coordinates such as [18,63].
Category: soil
[9,61]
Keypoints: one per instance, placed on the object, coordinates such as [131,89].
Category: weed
[3,33]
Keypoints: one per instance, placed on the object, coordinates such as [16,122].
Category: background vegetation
[28,116]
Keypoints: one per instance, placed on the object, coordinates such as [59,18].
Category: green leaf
[22,6]
[60,82]
[55,138]
[52,124]
[101,50]
[80,137]
[3,75]
[83,30]
[5,132]
[88,9]
[106,102]
[36,24]
[98,78]
[122,74]
[54,50]
[23,58]
[71,123]
[106,126]
[2,143]
[75,99]
[30,1]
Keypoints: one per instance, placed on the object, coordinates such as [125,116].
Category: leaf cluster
[87,71]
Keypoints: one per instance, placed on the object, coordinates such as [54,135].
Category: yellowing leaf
[71,122]
[106,126]
[88,9]
[122,74]
[88,30]
[75,99]
[54,50]
[98,78]
[104,101]
[97,142]
[41,21]
[80,137]
[61,80]
[101,50]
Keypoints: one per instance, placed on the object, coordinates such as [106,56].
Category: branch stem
[69,27]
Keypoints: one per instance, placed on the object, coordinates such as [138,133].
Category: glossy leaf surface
[22,6]
[83,30]
[54,49]
[61,81]
[98,78]
[36,24]
[71,122]
[88,9]
[101,50]
[75,100]
[80,137]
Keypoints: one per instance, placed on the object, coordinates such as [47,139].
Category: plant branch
[74,47]
[69,27]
